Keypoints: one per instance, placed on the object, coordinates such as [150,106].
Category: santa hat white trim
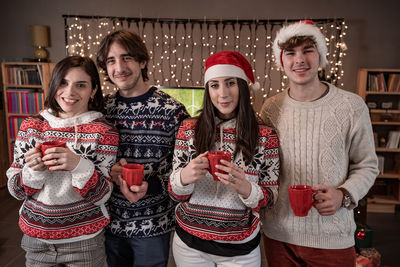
[301,28]
[224,70]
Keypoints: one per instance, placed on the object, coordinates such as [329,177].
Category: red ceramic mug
[301,198]
[51,144]
[214,158]
[133,174]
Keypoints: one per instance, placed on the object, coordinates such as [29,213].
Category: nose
[299,58]
[119,65]
[68,89]
[224,91]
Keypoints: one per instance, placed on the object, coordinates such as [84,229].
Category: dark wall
[372,38]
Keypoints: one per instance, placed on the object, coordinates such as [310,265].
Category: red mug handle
[314,192]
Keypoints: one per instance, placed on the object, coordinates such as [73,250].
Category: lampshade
[39,35]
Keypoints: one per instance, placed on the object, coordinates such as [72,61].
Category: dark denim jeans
[137,252]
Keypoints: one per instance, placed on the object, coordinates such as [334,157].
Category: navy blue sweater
[147,125]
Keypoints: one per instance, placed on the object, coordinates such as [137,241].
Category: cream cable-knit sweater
[328,141]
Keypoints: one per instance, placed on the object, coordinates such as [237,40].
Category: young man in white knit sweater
[326,141]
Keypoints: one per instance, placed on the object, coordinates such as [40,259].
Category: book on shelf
[27,101]
[24,75]
[393,139]
[377,82]
[394,82]
[14,124]
[381,164]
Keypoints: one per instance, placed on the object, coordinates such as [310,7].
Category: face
[74,93]
[123,70]
[301,64]
[224,94]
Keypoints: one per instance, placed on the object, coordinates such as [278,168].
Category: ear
[142,64]
[93,92]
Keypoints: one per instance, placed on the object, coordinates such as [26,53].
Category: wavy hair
[246,124]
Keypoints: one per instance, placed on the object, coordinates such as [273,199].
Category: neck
[308,93]
[138,90]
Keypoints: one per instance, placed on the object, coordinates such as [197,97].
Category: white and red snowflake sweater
[65,205]
[211,210]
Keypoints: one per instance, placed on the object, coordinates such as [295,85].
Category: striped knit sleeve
[23,181]
[91,179]
[269,171]
[181,158]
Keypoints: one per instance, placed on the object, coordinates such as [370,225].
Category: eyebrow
[122,55]
[227,79]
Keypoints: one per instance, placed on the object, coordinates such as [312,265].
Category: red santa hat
[301,28]
[229,64]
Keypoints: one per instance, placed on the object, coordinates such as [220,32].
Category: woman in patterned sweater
[65,191]
[218,221]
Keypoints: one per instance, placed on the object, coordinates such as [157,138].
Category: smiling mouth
[301,70]
[70,100]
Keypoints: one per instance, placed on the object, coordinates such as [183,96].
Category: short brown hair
[133,44]
[58,74]
[296,41]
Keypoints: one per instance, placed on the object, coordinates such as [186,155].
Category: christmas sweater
[327,141]
[63,205]
[211,210]
[147,126]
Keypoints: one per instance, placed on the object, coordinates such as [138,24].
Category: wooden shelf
[28,86]
[9,83]
[385,111]
[383,203]
[389,175]
[384,200]
[20,114]
[381,93]
[389,150]
[395,123]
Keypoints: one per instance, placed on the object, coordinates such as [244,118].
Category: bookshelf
[24,86]
[380,88]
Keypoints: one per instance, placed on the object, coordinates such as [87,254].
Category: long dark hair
[133,44]
[58,74]
[246,124]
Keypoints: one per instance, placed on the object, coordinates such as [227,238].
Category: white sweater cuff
[33,179]
[178,187]
[82,173]
[254,198]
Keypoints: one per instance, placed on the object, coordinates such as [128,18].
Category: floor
[386,235]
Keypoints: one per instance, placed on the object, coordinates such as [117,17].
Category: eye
[127,58]
[63,83]
[110,61]
[231,83]
[214,85]
[81,85]
[289,53]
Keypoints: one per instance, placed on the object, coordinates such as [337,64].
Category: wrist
[346,198]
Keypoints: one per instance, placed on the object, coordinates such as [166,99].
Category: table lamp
[39,39]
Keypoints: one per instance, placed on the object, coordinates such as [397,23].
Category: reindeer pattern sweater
[61,206]
[211,210]
[327,141]
[147,125]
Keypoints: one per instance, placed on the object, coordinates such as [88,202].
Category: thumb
[123,162]
[320,187]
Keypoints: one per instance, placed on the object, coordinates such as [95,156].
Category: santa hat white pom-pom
[256,86]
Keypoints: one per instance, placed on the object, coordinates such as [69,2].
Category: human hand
[133,193]
[195,170]
[116,170]
[33,158]
[61,159]
[234,178]
[327,200]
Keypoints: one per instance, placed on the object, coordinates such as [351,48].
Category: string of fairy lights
[178,48]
